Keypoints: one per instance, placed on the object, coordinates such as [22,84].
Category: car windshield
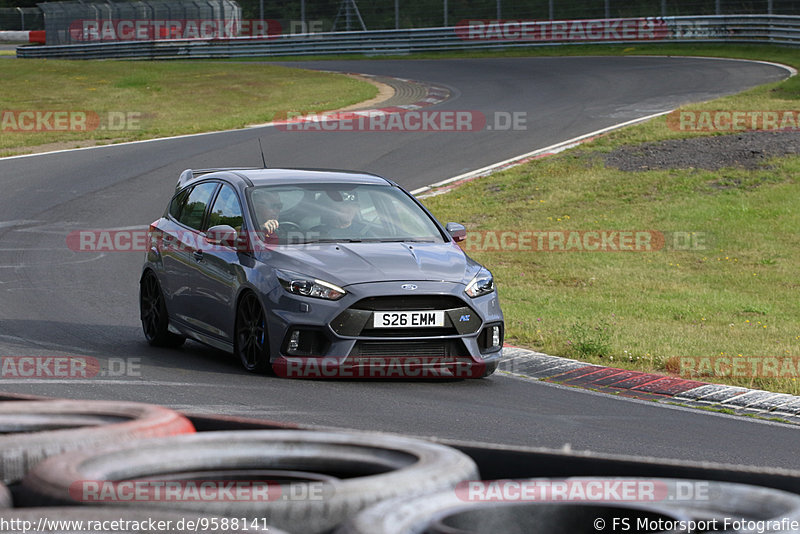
[319,213]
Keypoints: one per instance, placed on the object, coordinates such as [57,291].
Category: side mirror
[457,231]
[222,235]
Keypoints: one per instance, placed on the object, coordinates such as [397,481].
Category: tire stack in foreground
[71,461]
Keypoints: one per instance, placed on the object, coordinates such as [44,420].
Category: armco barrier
[756,29]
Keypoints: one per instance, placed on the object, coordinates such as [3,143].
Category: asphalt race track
[54,301]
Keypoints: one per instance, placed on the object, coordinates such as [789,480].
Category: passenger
[341,222]
[343,217]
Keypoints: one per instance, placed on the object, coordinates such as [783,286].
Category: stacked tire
[35,430]
[128,467]
[746,508]
[325,477]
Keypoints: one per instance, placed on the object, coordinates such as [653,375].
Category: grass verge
[731,293]
[141,100]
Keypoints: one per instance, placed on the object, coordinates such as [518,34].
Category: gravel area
[745,150]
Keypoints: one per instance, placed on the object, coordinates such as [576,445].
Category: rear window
[177,203]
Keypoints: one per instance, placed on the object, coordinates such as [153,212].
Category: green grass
[164,98]
[731,292]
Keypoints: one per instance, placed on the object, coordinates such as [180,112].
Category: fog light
[294,342]
[495,336]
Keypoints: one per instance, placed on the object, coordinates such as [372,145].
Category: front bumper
[388,367]
[336,338]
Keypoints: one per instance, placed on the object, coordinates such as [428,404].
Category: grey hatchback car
[317,273]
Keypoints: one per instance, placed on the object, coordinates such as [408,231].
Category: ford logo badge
[408,287]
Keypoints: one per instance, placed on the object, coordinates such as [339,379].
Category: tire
[368,468]
[153,313]
[444,514]
[114,515]
[716,499]
[251,343]
[35,430]
[453,511]
[743,501]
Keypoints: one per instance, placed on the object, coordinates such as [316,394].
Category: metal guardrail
[760,29]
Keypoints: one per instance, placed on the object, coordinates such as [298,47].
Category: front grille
[408,332]
[357,320]
[409,302]
[431,349]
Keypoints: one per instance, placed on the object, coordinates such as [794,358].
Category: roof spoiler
[190,174]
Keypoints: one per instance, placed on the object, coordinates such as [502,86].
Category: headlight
[300,284]
[482,284]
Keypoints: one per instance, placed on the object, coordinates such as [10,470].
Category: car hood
[352,263]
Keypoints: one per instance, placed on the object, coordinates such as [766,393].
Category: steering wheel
[287,226]
[289,231]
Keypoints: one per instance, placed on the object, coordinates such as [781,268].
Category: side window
[226,209]
[191,214]
[177,203]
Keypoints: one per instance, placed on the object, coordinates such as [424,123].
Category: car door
[165,232]
[218,273]
[182,256]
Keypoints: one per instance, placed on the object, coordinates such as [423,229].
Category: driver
[269,209]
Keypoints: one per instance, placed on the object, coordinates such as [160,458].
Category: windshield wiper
[333,240]
[406,240]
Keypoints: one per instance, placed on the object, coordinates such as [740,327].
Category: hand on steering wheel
[271,226]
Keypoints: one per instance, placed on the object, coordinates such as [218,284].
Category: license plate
[408,319]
